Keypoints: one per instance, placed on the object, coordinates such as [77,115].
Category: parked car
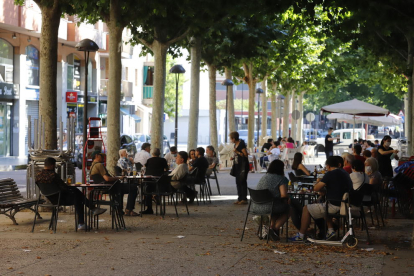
[165,144]
[139,139]
[126,143]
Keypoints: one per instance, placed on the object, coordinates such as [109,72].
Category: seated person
[366,154]
[290,144]
[297,165]
[170,156]
[212,159]
[371,169]
[267,145]
[369,146]
[68,195]
[142,156]
[179,173]
[201,163]
[125,162]
[156,166]
[348,159]
[357,153]
[358,175]
[341,162]
[355,143]
[337,182]
[100,174]
[191,156]
[374,153]
[276,182]
[274,152]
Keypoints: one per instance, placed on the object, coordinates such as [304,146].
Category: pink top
[289,145]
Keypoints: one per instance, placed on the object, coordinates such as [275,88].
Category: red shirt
[359,157]
[348,169]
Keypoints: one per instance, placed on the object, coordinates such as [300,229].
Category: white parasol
[389,120]
[356,108]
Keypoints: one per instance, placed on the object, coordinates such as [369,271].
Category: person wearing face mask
[171,155]
[385,156]
[371,169]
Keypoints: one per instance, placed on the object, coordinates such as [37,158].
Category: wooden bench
[11,201]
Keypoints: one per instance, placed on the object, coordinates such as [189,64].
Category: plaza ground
[211,244]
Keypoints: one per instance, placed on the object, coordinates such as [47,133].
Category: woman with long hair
[276,182]
[385,155]
[297,165]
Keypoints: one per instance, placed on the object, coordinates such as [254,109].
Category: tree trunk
[48,70]
[114,86]
[264,110]
[232,121]
[157,122]
[300,121]
[248,68]
[213,107]
[195,94]
[286,107]
[274,117]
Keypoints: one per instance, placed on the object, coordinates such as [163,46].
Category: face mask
[387,144]
[368,169]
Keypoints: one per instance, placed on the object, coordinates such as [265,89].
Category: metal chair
[52,193]
[163,189]
[262,197]
[208,177]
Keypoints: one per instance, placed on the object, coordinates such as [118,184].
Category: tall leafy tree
[51,13]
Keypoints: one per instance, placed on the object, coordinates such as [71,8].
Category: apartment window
[6,61]
[136,77]
[73,75]
[126,73]
[32,63]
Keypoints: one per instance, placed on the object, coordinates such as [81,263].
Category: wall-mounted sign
[71,97]
[9,90]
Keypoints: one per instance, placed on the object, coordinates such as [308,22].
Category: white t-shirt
[358,179]
[142,157]
[275,153]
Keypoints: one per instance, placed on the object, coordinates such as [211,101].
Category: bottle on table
[87,177]
[290,186]
[315,173]
[134,171]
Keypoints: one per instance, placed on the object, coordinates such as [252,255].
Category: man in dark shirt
[337,182]
[48,178]
[201,163]
[329,143]
[156,166]
[267,145]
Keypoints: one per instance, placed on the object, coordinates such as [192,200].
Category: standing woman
[385,155]
[240,167]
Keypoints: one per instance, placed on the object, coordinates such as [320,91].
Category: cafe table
[140,180]
[84,191]
[304,196]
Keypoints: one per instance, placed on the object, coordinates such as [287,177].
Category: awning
[135,117]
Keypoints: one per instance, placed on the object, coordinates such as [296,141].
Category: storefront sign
[32,94]
[71,97]
[9,90]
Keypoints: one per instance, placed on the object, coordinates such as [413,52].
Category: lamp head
[227,82]
[177,69]
[87,45]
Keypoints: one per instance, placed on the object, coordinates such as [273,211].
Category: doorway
[5,115]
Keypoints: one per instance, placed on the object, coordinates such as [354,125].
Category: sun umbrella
[389,120]
[356,108]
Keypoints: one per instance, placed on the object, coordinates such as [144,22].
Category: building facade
[19,76]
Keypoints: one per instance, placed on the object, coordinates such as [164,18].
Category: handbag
[232,173]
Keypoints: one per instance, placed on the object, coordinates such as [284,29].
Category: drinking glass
[69,180]
[143,171]
[128,171]
[295,185]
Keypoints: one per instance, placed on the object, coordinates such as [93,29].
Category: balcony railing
[147,93]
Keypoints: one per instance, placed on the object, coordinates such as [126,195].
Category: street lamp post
[177,70]
[227,83]
[258,92]
[87,46]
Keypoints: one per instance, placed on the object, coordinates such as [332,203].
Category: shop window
[6,61]
[32,63]
[73,74]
